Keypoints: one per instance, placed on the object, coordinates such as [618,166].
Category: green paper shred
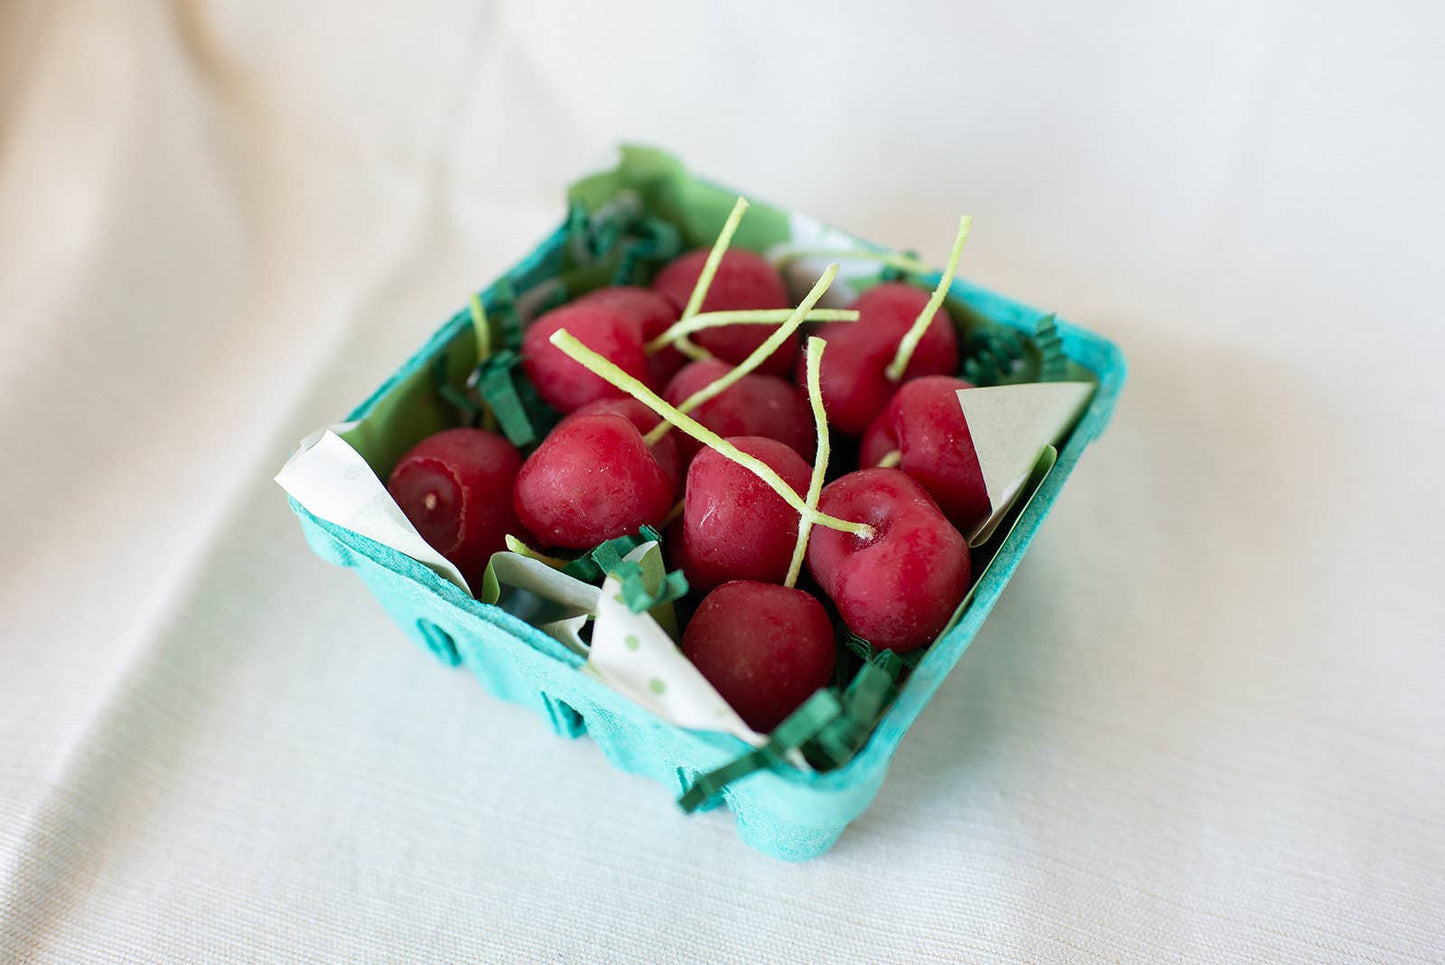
[504,311]
[866,652]
[494,379]
[470,411]
[1004,356]
[805,723]
[577,242]
[617,244]
[664,188]
[592,237]
[593,565]
[856,645]
[607,557]
[830,729]
[638,595]
[651,243]
[1053,363]
[866,699]
[872,690]
[995,357]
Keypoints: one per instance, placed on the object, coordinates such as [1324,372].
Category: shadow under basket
[784,812]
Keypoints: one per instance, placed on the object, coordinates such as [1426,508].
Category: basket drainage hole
[565,720]
[439,642]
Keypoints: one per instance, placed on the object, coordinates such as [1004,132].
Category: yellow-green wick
[749,316]
[704,280]
[910,341]
[609,372]
[758,356]
[816,346]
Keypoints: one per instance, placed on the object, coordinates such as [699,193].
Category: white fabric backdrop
[1205,722]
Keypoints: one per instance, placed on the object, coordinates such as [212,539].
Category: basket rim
[1099,355]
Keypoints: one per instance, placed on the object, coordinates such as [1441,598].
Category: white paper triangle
[334,483]
[1010,425]
[635,657]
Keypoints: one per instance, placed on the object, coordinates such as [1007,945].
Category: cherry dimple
[899,588]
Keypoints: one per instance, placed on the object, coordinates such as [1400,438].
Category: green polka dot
[657,685]
[631,642]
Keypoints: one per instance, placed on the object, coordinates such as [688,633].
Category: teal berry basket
[782,811]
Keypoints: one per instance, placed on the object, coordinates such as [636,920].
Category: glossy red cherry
[563,383]
[756,405]
[765,649]
[898,588]
[734,526]
[925,423]
[653,312]
[854,381]
[665,450]
[744,280]
[456,488]
[591,479]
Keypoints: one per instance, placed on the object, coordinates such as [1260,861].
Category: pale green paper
[555,603]
[635,657]
[632,654]
[1010,425]
[1032,483]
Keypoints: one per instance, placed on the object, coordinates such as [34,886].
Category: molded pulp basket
[783,812]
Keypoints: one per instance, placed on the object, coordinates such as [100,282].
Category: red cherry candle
[925,425]
[754,405]
[901,334]
[674,417]
[734,527]
[855,380]
[456,489]
[664,450]
[897,587]
[592,479]
[765,649]
[743,281]
[563,383]
[653,312]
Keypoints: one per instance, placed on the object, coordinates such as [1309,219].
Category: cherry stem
[704,280]
[909,345]
[759,355]
[480,327]
[609,372]
[675,513]
[752,316]
[892,460]
[816,346]
[889,258]
[522,549]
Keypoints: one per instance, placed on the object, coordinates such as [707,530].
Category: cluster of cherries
[609,467]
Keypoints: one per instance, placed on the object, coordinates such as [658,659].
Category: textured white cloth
[1205,721]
